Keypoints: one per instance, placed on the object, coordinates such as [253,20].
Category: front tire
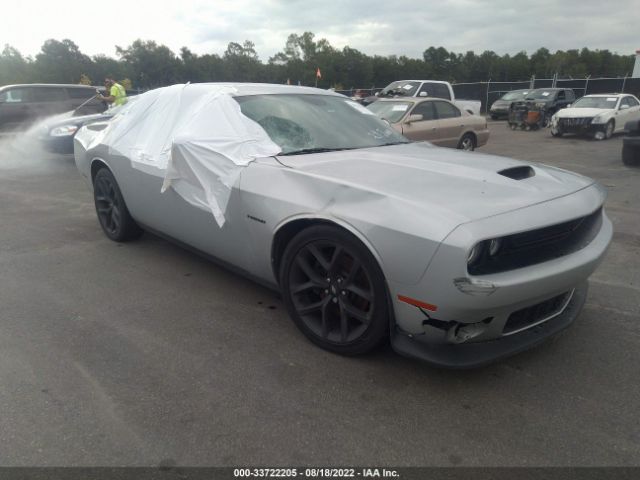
[334,290]
[608,130]
[113,215]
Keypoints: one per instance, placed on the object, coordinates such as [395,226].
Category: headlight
[494,246]
[491,247]
[475,253]
[599,119]
[64,131]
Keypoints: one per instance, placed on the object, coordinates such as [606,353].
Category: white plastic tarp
[195,137]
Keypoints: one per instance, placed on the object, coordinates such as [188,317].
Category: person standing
[117,93]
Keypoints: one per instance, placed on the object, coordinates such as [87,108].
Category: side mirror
[423,94]
[416,117]
[624,107]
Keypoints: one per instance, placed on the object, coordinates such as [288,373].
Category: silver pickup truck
[425,88]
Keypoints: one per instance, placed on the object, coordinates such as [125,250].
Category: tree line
[146,64]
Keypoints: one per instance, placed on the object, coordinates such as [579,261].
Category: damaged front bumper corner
[456,354]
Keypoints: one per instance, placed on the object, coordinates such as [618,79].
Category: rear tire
[334,290]
[467,142]
[113,215]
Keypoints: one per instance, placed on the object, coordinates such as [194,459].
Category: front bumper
[59,145]
[431,335]
[568,125]
[478,354]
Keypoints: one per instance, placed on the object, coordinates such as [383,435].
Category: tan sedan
[435,120]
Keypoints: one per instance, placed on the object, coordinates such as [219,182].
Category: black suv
[22,105]
[551,99]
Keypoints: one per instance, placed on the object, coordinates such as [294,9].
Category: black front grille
[575,122]
[536,246]
[537,313]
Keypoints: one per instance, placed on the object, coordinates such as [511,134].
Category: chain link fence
[488,92]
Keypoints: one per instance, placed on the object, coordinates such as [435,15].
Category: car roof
[415,99]
[64,85]
[260,89]
[606,95]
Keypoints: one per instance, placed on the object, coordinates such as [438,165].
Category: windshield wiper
[314,150]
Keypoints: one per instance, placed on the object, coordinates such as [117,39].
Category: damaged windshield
[317,123]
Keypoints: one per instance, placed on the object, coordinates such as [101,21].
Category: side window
[570,95]
[425,109]
[435,90]
[49,94]
[446,110]
[16,95]
[81,93]
[561,95]
[633,102]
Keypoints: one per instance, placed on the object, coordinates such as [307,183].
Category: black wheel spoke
[301,287]
[355,268]
[312,307]
[309,272]
[360,292]
[325,319]
[361,316]
[115,217]
[344,323]
[317,254]
[334,259]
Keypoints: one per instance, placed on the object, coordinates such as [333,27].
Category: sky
[375,27]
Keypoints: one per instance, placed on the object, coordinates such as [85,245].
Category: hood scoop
[518,173]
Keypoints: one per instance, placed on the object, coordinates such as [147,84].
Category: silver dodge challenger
[457,258]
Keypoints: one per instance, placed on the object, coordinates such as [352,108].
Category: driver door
[426,129]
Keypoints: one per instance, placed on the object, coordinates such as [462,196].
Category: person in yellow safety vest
[117,94]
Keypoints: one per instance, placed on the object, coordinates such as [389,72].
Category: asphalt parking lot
[145,354]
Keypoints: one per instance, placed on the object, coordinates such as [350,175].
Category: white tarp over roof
[194,136]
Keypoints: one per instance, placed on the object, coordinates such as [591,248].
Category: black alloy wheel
[113,215]
[334,290]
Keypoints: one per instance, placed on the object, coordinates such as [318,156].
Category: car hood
[449,184]
[582,112]
[79,120]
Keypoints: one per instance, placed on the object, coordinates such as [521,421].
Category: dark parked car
[23,105]
[631,144]
[57,135]
[551,99]
[500,108]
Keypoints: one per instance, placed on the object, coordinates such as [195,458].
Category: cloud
[375,27]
